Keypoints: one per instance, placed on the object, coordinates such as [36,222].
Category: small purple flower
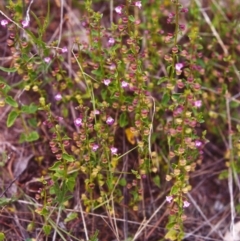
[138,4]
[58,97]
[59,118]
[198,143]
[96,112]
[112,67]
[179,66]
[182,27]
[95,147]
[107,81]
[124,84]
[171,15]
[118,9]
[198,103]
[78,122]
[184,10]
[113,150]
[47,59]
[64,49]
[169,199]
[25,23]
[4,22]
[110,120]
[186,204]
[111,41]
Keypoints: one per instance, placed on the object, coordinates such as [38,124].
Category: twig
[230,170]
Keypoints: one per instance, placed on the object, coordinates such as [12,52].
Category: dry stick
[57,222]
[125,214]
[230,171]
[201,213]
[156,224]
[61,24]
[145,223]
[70,43]
[235,173]
[201,226]
[114,218]
[111,11]
[79,204]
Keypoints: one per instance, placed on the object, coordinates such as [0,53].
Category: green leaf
[9,100]
[70,217]
[123,182]
[223,175]
[161,80]
[12,116]
[104,93]
[169,68]
[8,70]
[175,97]
[171,223]
[174,190]
[55,166]
[97,72]
[22,138]
[165,99]
[33,136]
[3,86]
[70,182]
[47,229]
[156,180]
[171,234]
[123,121]
[2,236]
[32,122]
[6,201]
[29,109]
[131,18]
[67,157]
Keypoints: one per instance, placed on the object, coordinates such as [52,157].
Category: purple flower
[110,120]
[58,97]
[118,9]
[111,41]
[95,147]
[138,4]
[113,150]
[78,122]
[169,199]
[112,67]
[182,27]
[25,23]
[179,66]
[186,204]
[198,103]
[64,49]
[4,22]
[59,118]
[184,10]
[96,112]
[107,81]
[124,84]
[47,59]
[198,143]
